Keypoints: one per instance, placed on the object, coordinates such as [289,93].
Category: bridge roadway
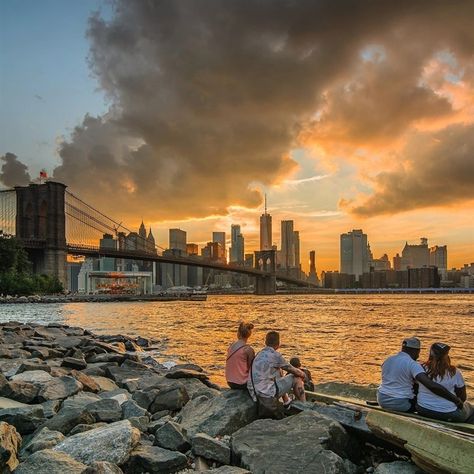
[91,251]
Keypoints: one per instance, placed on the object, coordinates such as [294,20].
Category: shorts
[284,385]
[396,404]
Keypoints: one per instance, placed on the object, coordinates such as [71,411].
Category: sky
[348,115]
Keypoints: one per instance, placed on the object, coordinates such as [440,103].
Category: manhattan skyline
[344,128]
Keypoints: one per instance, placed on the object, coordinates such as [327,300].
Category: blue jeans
[464,415]
[395,404]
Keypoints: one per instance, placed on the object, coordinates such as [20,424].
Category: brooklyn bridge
[52,223]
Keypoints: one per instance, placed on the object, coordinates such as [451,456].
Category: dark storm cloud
[439,171]
[210,96]
[13,172]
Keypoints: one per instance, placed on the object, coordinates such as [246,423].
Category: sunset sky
[347,114]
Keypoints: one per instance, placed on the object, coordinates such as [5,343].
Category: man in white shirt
[400,373]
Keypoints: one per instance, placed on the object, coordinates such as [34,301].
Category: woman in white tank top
[439,368]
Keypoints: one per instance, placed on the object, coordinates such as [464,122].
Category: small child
[308,383]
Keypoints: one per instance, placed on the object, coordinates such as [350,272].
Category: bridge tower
[41,226]
[265,260]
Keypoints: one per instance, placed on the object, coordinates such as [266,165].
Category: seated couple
[440,385]
[262,374]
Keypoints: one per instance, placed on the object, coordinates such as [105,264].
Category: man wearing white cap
[400,373]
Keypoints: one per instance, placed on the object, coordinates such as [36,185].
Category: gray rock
[112,443]
[49,332]
[103,467]
[219,415]
[262,446]
[119,394]
[96,358]
[80,400]
[160,414]
[48,461]
[172,398]
[10,442]
[140,422]
[118,374]
[74,363]
[153,459]
[145,398]
[25,419]
[83,428]
[397,467]
[43,439]
[170,436]
[59,388]
[175,373]
[51,407]
[88,383]
[154,425]
[211,448]
[67,418]
[196,388]
[30,365]
[130,409]
[230,470]
[32,376]
[69,342]
[106,409]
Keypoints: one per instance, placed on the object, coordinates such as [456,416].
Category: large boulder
[59,388]
[112,443]
[74,363]
[219,415]
[32,376]
[25,418]
[170,436]
[10,442]
[88,382]
[43,439]
[316,445]
[130,408]
[211,448]
[21,391]
[153,459]
[104,383]
[48,461]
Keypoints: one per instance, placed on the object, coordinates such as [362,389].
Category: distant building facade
[416,256]
[354,253]
[237,247]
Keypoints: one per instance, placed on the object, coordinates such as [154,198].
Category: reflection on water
[342,337]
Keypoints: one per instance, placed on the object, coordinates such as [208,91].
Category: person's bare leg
[298,389]
[286,399]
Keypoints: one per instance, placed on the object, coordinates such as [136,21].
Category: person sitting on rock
[266,384]
[308,381]
[438,367]
[400,373]
[239,358]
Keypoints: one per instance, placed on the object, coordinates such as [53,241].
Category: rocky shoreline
[75,402]
[99,298]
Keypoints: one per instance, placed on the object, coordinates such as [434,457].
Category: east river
[339,338]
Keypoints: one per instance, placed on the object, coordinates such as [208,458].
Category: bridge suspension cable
[86,225]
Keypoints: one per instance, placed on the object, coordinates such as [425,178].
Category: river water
[338,337]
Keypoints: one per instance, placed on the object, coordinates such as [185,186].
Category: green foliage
[16,277]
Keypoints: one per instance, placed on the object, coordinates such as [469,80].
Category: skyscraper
[177,239]
[354,253]
[219,237]
[237,244]
[287,244]
[265,229]
[296,237]
[313,276]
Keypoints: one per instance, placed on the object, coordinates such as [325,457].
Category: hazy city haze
[348,114]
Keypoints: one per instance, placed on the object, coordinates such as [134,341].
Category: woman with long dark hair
[439,368]
[239,358]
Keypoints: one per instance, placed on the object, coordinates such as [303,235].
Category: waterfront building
[354,253]
[416,256]
[265,229]
[382,263]
[337,280]
[237,245]
[211,251]
[439,257]
[296,240]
